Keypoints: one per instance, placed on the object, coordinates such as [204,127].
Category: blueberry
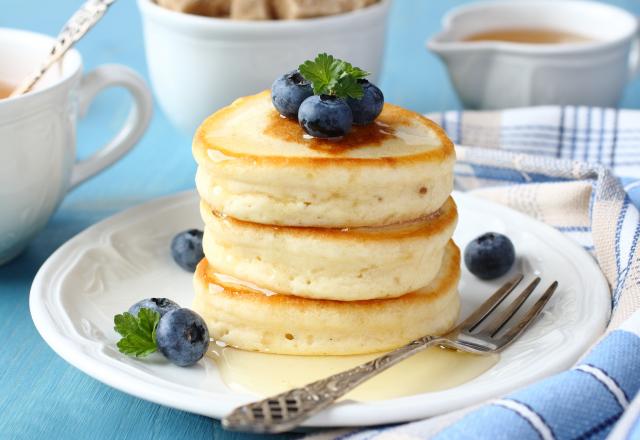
[366,109]
[489,256]
[325,116]
[182,337]
[288,92]
[160,305]
[186,249]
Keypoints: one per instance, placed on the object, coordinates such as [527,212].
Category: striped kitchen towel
[577,169]
[629,425]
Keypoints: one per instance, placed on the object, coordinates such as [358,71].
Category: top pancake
[252,128]
[258,166]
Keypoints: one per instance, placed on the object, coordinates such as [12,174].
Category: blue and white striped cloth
[599,136]
[577,169]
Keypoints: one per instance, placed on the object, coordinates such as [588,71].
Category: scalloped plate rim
[77,352]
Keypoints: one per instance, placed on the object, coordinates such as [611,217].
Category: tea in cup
[5,89]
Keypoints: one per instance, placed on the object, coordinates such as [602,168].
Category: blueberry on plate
[182,337]
[366,109]
[325,116]
[160,305]
[288,92]
[186,249]
[489,256]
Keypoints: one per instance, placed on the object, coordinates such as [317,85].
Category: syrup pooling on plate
[434,369]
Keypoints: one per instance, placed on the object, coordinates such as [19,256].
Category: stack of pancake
[324,246]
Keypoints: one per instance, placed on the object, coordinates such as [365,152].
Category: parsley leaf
[348,87]
[331,76]
[355,72]
[138,332]
[125,323]
[322,73]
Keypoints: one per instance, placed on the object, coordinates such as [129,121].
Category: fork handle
[285,411]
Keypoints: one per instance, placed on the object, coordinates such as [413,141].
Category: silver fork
[480,333]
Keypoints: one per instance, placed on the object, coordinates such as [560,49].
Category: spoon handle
[74,29]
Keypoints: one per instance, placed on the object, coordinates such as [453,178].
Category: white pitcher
[497,74]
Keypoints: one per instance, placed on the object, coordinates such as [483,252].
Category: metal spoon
[74,29]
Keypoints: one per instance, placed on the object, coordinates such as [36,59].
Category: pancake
[248,318]
[257,166]
[341,264]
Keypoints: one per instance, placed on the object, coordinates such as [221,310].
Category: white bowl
[200,64]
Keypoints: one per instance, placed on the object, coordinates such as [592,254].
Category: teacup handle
[132,130]
[634,56]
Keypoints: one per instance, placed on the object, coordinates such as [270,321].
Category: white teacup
[493,75]
[38,133]
[200,64]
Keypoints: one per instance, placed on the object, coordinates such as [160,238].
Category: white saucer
[111,265]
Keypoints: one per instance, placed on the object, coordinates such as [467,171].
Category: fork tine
[528,318]
[479,314]
[499,321]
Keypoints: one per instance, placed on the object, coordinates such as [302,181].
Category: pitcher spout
[445,43]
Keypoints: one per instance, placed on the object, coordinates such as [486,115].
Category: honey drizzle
[370,135]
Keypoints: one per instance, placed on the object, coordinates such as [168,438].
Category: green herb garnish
[138,332]
[331,76]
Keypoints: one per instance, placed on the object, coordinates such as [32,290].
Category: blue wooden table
[41,396]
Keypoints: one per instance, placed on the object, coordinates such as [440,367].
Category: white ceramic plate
[111,265]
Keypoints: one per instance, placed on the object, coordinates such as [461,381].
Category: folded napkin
[577,169]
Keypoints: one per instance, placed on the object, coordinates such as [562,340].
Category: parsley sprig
[138,332]
[331,76]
